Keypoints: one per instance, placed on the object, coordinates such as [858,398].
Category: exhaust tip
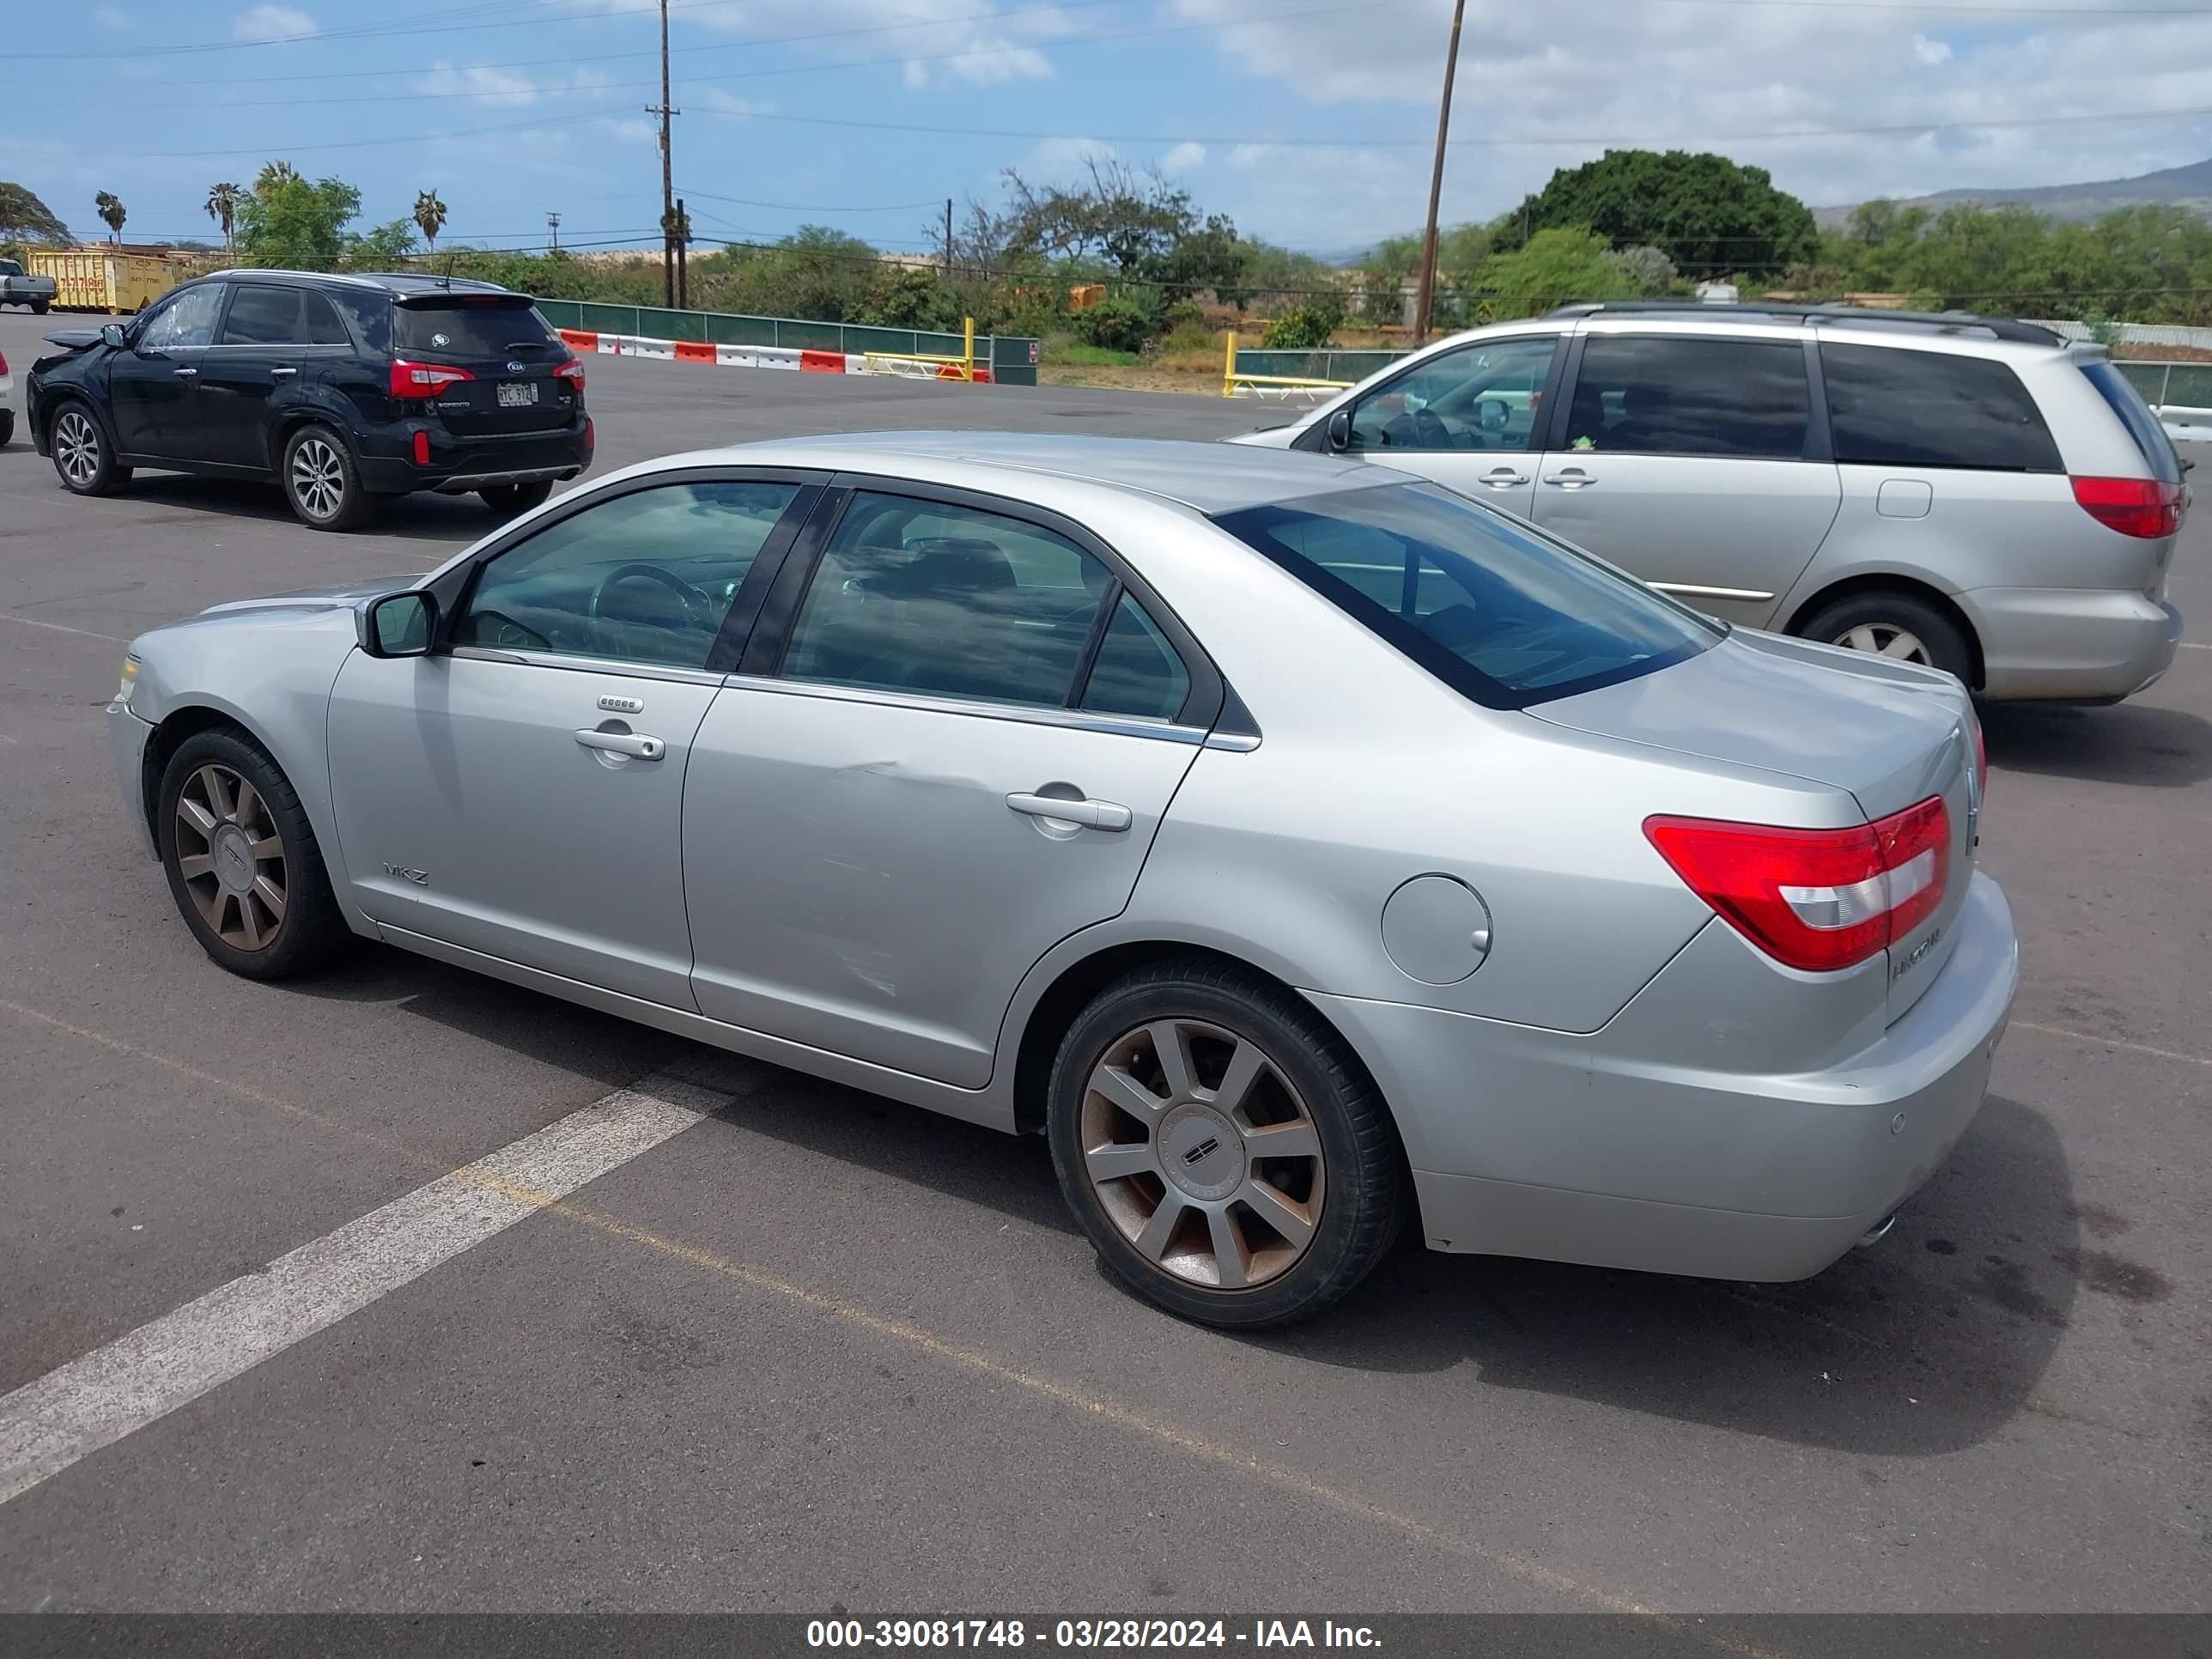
[1874,1235]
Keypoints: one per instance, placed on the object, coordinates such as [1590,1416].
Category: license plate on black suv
[516,394]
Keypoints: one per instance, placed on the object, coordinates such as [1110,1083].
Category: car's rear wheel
[7,428]
[242,859]
[507,500]
[1895,625]
[38,308]
[83,460]
[1222,1148]
[322,483]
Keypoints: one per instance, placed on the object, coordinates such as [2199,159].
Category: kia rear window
[471,329]
[2158,450]
[1501,614]
[1892,407]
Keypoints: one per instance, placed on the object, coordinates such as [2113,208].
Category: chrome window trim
[1694,591]
[616,665]
[1075,720]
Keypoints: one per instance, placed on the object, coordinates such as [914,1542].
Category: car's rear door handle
[1504,477]
[632,743]
[186,374]
[1571,477]
[282,373]
[1093,814]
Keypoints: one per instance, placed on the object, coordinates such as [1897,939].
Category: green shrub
[1304,329]
[1116,324]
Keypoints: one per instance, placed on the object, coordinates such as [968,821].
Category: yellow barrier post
[1229,367]
[968,349]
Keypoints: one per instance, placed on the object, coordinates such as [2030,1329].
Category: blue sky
[1307,120]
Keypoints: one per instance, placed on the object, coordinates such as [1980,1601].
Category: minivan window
[1891,406]
[2117,390]
[1500,613]
[1690,397]
[473,328]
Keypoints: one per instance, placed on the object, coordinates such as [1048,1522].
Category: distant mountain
[2187,186]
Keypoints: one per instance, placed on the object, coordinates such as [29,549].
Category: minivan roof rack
[2002,328]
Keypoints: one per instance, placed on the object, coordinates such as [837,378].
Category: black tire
[322,481]
[1883,616]
[84,458]
[1359,1182]
[507,500]
[38,308]
[7,428]
[310,928]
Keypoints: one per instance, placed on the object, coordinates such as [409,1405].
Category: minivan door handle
[1572,477]
[637,747]
[1504,477]
[1106,815]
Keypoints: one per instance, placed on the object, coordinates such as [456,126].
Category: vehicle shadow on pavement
[2135,743]
[1928,1342]
[456,520]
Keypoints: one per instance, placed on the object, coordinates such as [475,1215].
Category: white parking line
[96,1399]
[56,627]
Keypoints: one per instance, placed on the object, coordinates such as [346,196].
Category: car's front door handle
[283,374]
[186,374]
[1092,814]
[623,743]
[1504,477]
[1572,477]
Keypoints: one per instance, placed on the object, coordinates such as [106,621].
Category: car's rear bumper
[127,736]
[2067,644]
[459,464]
[1615,1150]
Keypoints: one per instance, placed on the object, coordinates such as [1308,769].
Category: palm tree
[222,203]
[275,175]
[430,214]
[111,212]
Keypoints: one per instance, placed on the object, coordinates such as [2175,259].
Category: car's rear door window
[1504,615]
[1892,406]
[262,314]
[1688,396]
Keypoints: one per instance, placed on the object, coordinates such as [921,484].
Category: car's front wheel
[83,460]
[242,859]
[1224,1152]
[322,483]
[507,500]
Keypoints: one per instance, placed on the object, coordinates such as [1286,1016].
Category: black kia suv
[342,390]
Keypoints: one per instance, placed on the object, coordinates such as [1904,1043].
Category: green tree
[906,296]
[222,204]
[381,246]
[430,215]
[1704,212]
[289,223]
[1555,268]
[111,213]
[25,218]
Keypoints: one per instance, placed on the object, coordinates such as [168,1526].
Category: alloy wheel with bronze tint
[241,857]
[1221,1146]
[1203,1154]
[83,460]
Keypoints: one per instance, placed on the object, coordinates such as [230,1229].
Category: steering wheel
[698,610]
[1430,431]
[478,621]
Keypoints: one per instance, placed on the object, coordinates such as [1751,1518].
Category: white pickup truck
[16,289]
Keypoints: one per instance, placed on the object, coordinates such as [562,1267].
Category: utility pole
[664,109]
[683,257]
[948,239]
[1424,295]
[552,233]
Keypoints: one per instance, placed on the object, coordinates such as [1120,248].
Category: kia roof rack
[2002,328]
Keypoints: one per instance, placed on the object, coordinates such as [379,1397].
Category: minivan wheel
[322,483]
[1893,625]
[82,460]
[1223,1150]
[507,500]
[242,859]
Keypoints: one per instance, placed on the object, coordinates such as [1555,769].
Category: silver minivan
[1973,493]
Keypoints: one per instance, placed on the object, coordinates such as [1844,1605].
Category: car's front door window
[645,577]
[184,320]
[1487,396]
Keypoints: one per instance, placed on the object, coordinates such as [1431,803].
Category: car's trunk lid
[1890,734]
[509,351]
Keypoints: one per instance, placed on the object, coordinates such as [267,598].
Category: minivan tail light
[572,370]
[1817,900]
[2134,506]
[424,380]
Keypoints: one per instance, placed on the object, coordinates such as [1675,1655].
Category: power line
[812,207]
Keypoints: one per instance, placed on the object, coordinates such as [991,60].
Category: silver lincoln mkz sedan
[1303,849]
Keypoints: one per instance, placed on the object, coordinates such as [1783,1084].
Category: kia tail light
[424,380]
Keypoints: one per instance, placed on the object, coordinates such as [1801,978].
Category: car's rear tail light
[2134,506]
[591,436]
[422,449]
[3,362]
[1981,763]
[424,380]
[572,370]
[1814,899]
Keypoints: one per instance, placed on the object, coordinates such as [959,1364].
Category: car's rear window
[1503,615]
[1891,407]
[2158,451]
[473,328]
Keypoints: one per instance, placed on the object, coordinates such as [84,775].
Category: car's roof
[1213,477]
[403,285]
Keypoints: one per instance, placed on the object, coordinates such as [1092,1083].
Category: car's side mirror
[1339,429]
[397,625]
[113,334]
[1493,414]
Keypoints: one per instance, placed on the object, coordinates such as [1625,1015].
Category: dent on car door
[1470,419]
[1695,463]
[151,390]
[954,754]
[518,791]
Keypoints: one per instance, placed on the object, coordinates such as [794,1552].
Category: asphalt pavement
[800,1348]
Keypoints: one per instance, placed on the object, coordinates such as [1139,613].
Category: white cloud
[630,130]
[1693,77]
[722,103]
[952,41]
[479,82]
[273,23]
[1184,157]
[111,17]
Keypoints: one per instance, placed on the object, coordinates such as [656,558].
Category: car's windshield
[473,328]
[1504,615]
